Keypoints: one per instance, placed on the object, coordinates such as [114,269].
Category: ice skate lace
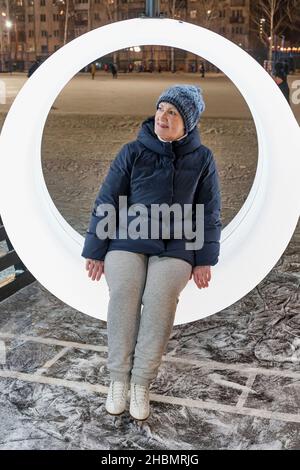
[140,394]
[118,390]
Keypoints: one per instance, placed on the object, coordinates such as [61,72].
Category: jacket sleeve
[208,193]
[116,183]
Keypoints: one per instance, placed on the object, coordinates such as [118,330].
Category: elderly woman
[166,164]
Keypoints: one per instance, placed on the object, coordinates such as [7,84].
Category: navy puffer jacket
[150,171]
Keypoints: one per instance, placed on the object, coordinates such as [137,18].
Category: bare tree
[111,7]
[111,10]
[66,15]
[273,17]
[294,16]
[176,9]
[67,5]
[209,11]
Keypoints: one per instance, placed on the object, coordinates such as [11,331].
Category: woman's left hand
[202,276]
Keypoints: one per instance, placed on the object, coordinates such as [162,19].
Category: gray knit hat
[188,100]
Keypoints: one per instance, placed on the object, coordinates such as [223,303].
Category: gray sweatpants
[137,339]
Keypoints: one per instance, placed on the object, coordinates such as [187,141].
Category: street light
[211,15]
[261,26]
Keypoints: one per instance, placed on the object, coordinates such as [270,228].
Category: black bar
[19,264]
[18,283]
[9,259]
[3,235]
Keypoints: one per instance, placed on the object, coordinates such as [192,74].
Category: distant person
[286,67]
[281,80]
[280,68]
[202,70]
[33,68]
[291,62]
[106,67]
[113,70]
[93,71]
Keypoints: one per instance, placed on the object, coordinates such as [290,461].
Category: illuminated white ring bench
[250,245]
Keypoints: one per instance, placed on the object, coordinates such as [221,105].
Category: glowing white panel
[250,245]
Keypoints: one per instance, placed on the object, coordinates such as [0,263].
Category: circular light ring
[250,245]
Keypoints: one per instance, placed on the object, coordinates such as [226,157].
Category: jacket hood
[149,139]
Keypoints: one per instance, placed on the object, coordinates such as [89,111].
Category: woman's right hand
[95,268]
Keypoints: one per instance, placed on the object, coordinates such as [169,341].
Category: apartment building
[37,28]
[34,29]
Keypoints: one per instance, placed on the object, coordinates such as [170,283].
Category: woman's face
[169,124]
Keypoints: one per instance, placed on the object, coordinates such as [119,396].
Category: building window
[30,18]
[43,3]
[237,30]
[44,48]
[55,17]
[30,3]
[44,33]
[81,19]
[43,17]
[237,13]
[30,33]
[22,36]
[97,17]
[193,14]
[56,33]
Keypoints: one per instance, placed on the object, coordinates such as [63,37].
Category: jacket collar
[149,139]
